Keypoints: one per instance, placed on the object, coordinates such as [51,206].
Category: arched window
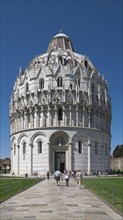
[79,147]
[24,147]
[41,83]
[92,88]
[106,149]
[14,149]
[59,141]
[60,59]
[28,118]
[59,81]
[86,64]
[96,148]
[60,114]
[71,85]
[39,147]
[93,91]
[77,82]
[91,118]
[27,87]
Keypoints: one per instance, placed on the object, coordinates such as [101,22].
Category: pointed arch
[56,98]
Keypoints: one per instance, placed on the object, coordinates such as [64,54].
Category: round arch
[13,139]
[20,137]
[60,151]
[57,134]
[35,135]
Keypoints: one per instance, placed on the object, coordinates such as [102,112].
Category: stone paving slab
[47,201]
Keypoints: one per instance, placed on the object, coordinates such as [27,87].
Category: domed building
[60,114]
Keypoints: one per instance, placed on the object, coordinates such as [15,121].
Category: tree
[118,151]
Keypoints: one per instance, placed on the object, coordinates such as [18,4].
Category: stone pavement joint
[47,201]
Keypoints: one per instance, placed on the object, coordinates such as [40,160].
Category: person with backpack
[66,177]
[57,176]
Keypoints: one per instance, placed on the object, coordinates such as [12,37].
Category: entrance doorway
[60,158]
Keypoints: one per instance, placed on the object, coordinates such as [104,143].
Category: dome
[60,50]
[61,35]
[60,41]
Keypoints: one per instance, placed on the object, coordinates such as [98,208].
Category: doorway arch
[59,151]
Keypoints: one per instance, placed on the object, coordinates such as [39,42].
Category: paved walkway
[47,201]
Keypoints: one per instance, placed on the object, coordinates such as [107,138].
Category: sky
[95,28]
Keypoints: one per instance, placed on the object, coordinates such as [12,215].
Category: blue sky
[95,28]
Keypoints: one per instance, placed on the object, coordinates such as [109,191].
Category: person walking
[48,175]
[66,177]
[79,178]
[57,176]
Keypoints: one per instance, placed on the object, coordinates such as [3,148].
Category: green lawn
[10,186]
[108,188]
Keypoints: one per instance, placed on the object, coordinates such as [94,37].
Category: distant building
[5,165]
[117,163]
[60,113]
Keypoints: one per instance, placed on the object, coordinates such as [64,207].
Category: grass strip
[109,189]
[11,186]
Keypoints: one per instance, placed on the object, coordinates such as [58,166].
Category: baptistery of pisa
[60,114]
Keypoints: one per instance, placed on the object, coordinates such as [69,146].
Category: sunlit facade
[60,114]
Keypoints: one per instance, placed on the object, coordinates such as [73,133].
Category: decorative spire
[60,30]
[20,70]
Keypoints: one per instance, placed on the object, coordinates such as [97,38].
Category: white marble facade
[60,114]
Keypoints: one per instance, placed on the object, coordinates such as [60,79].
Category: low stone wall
[117,163]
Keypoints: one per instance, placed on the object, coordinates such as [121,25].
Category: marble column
[31,159]
[89,117]
[99,119]
[12,160]
[25,120]
[42,116]
[48,155]
[89,145]
[56,116]
[36,117]
[31,119]
[18,159]
[70,156]
[63,116]
[15,124]
[14,127]
[77,116]
[49,117]
[16,120]
[70,115]
[21,121]
[83,117]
